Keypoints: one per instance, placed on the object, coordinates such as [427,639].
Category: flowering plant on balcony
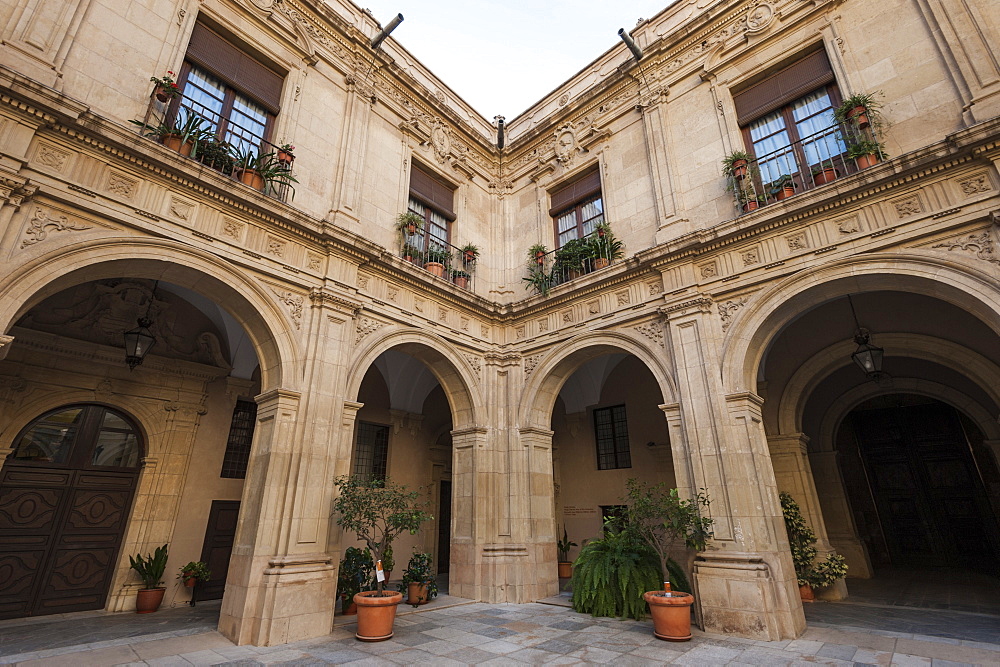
[166,87]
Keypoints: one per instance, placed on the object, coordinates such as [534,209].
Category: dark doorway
[65,495]
[444,527]
[925,493]
[218,547]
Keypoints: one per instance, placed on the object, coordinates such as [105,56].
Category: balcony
[195,132]
[574,259]
[440,259]
[809,163]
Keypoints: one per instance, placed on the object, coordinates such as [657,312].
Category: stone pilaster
[351,154]
[745,581]
[841,530]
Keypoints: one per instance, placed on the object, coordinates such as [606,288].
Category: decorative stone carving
[293,302]
[393,293]
[566,144]
[531,363]
[121,185]
[363,281]
[652,331]
[759,18]
[418,305]
[275,246]
[42,223]
[543,324]
[655,287]
[476,363]
[729,309]
[180,208]
[907,207]
[11,385]
[594,307]
[50,156]
[519,332]
[442,313]
[980,244]
[567,316]
[849,225]
[440,141]
[313,262]
[365,326]
[485,331]
[16,191]
[750,256]
[463,324]
[975,184]
[797,241]
[709,270]
[623,297]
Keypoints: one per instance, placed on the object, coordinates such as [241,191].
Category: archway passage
[65,494]
[917,491]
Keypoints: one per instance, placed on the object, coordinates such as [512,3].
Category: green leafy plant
[736,166]
[470,253]
[802,541]
[274,172]
[405,220]
[388,562]
[215,154]
[604,244]
[775,187]
[197,570]
[419,571]
[458,273]
[663,520]
[845,113]
[611,574]
[356,573]
[571,256]
[823,165]
[437,253]
[538,278]
[167,82]
[535,251]
[151,566]
[377,511]
[414,253]
[563,546]
[863,148]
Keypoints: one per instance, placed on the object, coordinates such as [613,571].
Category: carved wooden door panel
[218,547]
[65,495]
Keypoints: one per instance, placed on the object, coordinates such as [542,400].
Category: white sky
[502,57]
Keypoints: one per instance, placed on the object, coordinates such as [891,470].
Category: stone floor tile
[495,632]
[559,646]
[500,647]
[438,647]
[204,657]
[872,657]
[948,663]
[441,661]
[804,646]
[595,655]
[342,655]
[905,660]
[948,652]
[471,656]
[532,656]
[167,661]
[659,651]
[837,651]
[106,656]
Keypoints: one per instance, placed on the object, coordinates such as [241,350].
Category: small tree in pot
[802,541]
[663,520]
[150,569]
[377,512]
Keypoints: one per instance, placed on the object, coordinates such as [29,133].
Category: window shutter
[780,88]
[239,70]
[432,192]
[574,192]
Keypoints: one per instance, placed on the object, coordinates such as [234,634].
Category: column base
[738,594]
[498,573]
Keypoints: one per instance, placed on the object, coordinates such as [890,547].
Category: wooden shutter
[782,87]
[575,192]
[210,51]
[436,194]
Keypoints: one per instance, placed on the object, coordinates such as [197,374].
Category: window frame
[434,195]
[622,456]
[578,192]
[236,461]
[376,464]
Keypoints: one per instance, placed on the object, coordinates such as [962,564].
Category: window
[577,208]
[371,451]
[787,121]
[234,463]
[611,433]
[234,92]
[433,200]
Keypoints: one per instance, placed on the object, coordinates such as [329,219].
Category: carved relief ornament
[41,224]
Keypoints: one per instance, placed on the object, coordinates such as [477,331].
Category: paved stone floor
[454,632]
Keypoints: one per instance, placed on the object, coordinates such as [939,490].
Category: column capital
[791,443]
[700,304]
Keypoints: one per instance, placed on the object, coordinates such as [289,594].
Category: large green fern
[611,574]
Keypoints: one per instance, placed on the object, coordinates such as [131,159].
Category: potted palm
[538,279]
[150,568]
[377,511]
[537,253]
[802,541]
[665,521]
[419,580]
[409,223]
[194,572]
[355,575]
[563,546]
[866,153]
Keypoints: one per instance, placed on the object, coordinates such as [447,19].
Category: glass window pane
[117,444]
[247,122]
[237,456]
[371,451]
[566,222]
[204,95]
[51,438]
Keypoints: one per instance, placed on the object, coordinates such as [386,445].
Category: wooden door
[65,495]
[218,547]
[444,527]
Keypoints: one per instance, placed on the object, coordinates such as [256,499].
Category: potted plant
[570,257]
[860,110]
[539,279]
[263,171]
[460,278]
[194,572]
[664,521]
[537,253]
[563,547]
[409,223]
[824,172]
[376,511]
[802,541]
[286,154]
[750,200]
[612,572]
[355,575]
[182,138]
[436,258]
[470,254]
[604,247]
[166,88]
[412,254]
[150,568]
[215,154]
[736,165]
[867,153]
[782,187]
[419,580]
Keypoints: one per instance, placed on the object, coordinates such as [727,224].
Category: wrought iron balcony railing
[574,259]
[441,259]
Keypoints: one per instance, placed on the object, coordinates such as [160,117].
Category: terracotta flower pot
[601,263]
[860,116]
[175,142]
[540,258]
[785,192]
[671,615]
[739,169]
[469,257]
[437,269]
[751,205]
[161,94]
[376,615]
[806,593]
[417,593]
[147,600]
[461,281]
[189,580]
[347,607]
[565,569]
[411,228]
[865,161]
[825,176]
[284,157]
[252,178]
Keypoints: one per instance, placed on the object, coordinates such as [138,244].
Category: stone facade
[703,318]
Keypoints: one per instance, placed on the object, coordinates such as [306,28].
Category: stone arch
[542,388]
[797,391]
[452,370]
[958,281]
[244,298]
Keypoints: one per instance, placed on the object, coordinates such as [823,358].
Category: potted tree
[736,165]
[194,572]
[866,153]
[377,511]
[409,223]
[802,541]
[419,580]
[563,546]
[664,521]
[150,568]
[354,576]
[436,258]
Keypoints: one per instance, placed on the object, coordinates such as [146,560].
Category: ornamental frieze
[42,224]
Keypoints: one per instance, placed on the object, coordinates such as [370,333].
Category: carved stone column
[745,581]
